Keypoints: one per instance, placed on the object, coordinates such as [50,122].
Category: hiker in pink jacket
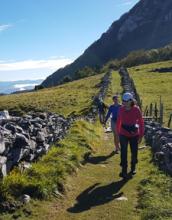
[130,128]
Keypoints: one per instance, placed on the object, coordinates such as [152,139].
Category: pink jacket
[130,117]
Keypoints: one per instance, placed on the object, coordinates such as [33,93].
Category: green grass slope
[151,85]
[74,97]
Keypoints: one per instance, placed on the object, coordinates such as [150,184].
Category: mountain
[147,25]
[8,87]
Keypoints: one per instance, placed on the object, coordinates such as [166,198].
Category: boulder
[20,141]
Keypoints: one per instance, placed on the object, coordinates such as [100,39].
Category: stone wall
[160,139]
[24,139]
[103,85]
[128,85]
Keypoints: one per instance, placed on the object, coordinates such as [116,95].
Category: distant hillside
[139,57]
[18,86]
[147,25]
[73,97]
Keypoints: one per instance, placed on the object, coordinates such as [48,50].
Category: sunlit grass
[46,175]
[73,97]
[151,85]
[114,88]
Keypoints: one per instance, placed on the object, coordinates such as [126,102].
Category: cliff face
[147,25]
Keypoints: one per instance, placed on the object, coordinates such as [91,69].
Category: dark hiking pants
[133,141]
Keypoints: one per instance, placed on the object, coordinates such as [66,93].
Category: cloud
[4,27]
[22,86]
[126,3]
[52,64]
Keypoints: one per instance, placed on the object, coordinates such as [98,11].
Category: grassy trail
[93,192]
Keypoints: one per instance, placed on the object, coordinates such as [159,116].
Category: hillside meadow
[152,85]
[71,98]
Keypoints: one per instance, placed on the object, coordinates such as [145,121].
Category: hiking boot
[123,174]
[133,170]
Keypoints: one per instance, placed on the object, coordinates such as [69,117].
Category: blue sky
[39,36]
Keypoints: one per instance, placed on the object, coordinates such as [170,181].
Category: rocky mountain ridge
[147,25]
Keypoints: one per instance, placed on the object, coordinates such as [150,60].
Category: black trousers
[133,141]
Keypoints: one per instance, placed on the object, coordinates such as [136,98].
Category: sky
[37,37]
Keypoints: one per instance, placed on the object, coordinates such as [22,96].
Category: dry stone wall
[24,139]
[160,139]
[128,85]
[104,85]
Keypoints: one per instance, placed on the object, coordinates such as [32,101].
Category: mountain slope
[147,25]
[73,97]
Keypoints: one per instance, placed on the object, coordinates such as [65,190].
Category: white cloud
[21,86]
[52,64]
[126,3]
[4,27]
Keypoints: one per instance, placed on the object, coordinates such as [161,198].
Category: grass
[155,194]
[91,193]
[71,98]
[49,174]
[155,197]
[114,88]
[99,203]
[151,85]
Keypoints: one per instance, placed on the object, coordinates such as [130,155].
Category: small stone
[142,147]
[102,165]
[25,198]
[58,194]
[122,198]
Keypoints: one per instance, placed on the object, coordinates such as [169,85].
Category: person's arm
[118,122]
[108,114]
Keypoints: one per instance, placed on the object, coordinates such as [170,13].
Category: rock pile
[24,139]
